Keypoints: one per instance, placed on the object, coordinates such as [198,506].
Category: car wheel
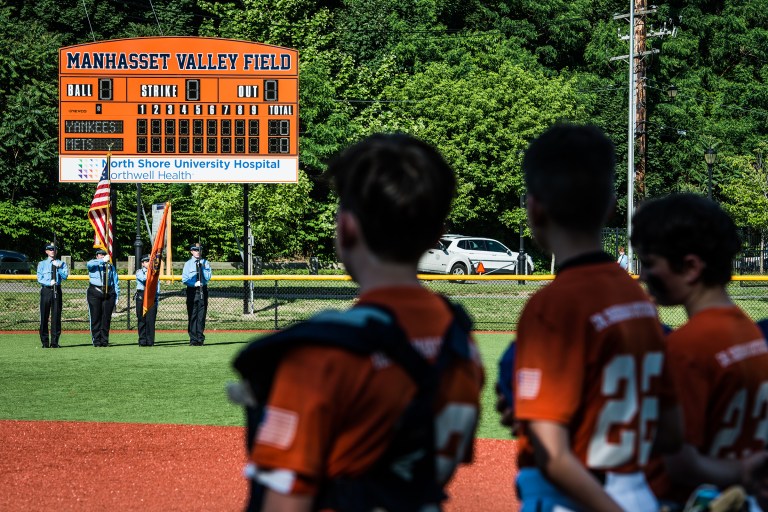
[459,269]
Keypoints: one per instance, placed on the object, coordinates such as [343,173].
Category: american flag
[528,383]
[99,213]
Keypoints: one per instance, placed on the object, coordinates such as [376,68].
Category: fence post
[275,304]
[313,266]
[128,298]
[257,265]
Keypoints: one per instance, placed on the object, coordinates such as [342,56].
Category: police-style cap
[101,251]
[145,257]
[50,247]
[195,247]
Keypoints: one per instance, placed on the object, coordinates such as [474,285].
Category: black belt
[51,287]
[600,475]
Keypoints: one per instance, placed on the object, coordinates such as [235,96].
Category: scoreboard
[179,110]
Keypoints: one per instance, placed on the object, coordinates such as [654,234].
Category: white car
[462,255]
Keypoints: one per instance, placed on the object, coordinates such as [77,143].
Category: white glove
[56,263]
[53,282]
[105,259]
[198,284]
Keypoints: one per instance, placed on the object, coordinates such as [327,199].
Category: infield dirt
[84,467]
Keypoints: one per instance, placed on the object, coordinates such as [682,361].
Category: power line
[89,21]
[344,100]
[158,21]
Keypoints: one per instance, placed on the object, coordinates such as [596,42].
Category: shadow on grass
[164,343]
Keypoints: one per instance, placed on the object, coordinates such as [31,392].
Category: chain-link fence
[274,302]
[752,260]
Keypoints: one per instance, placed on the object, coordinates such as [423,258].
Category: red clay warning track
[80,466]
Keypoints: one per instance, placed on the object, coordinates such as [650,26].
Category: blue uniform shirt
[95,271]
[141,281]
[189,274]
[45,272]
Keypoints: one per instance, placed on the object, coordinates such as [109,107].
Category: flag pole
[109,218]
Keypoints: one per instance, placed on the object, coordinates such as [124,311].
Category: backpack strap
[361,330]
[404,477]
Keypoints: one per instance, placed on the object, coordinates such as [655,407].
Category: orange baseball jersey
[590,356]
[331,413]
[719,365]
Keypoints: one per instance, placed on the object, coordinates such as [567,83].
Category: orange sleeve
[548,377]
[297,430]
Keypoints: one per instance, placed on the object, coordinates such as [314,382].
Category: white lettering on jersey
[732,426]
[622,313]
[454,427]
[737,353]
[379,360]
[427,347]
[628,397]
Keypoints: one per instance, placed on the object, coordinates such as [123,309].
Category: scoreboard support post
[137,244]
[247,251]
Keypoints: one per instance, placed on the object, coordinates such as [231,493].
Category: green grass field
[169,383]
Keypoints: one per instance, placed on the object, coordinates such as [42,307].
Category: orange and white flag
[153,272]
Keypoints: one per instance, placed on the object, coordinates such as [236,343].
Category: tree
[28,100]
[746,192]
[480,113]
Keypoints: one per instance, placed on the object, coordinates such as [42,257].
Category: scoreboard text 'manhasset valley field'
[179,109]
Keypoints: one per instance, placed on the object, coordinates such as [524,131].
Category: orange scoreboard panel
[179,109]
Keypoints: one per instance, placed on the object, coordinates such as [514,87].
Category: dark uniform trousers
[50,308]
[100,307]
[197,307]
[146,323]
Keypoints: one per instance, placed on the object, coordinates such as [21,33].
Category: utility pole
[640,100]
[637,133]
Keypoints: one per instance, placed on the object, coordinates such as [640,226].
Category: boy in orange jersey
[589,363]
[374,407]
[718,359]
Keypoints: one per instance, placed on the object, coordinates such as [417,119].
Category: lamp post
[710,156]
[137,244]
[671,92]
[521,267]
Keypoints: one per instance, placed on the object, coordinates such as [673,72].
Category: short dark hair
[399,188]
[570,169]
[681,224]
